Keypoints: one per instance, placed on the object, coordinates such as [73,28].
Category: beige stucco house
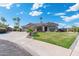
[42,27]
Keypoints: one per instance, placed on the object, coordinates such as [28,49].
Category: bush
[16,28]
[3,30]
[30,32]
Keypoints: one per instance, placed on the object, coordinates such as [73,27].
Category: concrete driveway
[35,47]
[8,48]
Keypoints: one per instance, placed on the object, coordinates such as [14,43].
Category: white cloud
[48,13]
[18,5]
[76,24]
[6,5]
[70,18]
[61,25]
[45,6]
[74,7]
[35,13]
[68,26]
[36,6]
[21,12]
[59,14]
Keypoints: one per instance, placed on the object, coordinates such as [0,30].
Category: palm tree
[17,23]
[41,19]
[3,26]
[3,20]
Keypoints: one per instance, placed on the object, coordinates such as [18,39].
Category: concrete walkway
[35,47]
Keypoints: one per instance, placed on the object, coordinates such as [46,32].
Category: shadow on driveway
[8,48]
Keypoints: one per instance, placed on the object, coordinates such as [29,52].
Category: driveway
[8,48]
[35,47]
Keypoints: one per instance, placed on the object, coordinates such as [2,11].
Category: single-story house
[42,27]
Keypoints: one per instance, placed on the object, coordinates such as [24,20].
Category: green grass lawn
[64,39]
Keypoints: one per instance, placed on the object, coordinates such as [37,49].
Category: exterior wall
[48,29]
[53,28]
[43,29]
[35,30]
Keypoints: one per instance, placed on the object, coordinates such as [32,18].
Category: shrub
[30,31]
[16,28]
[3,28]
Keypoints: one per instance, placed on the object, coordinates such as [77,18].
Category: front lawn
[64,39]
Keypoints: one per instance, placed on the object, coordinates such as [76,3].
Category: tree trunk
[30,34]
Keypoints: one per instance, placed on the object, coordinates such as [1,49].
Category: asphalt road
[11,49]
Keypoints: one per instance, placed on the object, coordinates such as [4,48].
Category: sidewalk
[35,47]
[75,52]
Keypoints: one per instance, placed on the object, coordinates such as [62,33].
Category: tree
[16,23]
[3,28]
[41,19]
[76,29]
[3,20]
[30,31]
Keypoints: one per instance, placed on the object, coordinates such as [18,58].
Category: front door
[45,28]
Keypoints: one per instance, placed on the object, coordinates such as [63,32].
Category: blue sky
[65,14]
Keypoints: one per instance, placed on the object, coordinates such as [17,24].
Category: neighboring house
[9,29]
[62,30]
[65,30]
[70,30]
[42,27]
